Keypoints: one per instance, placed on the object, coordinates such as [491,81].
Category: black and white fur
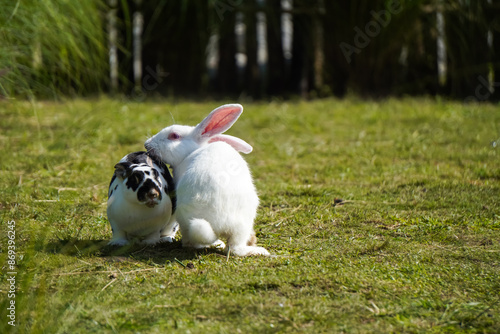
[141,201]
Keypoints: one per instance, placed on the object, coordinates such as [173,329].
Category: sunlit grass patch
[381,216]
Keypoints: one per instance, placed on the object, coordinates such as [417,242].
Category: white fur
[216,197]
[131,219]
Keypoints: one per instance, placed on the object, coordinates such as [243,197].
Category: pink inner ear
[221,121]
[238,144]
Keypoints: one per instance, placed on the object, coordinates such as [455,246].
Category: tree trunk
[113,46]
[442,61]
[138,24]
[276,60]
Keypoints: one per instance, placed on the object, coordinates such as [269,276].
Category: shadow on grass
[159,253]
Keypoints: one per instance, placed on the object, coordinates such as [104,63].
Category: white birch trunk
[138,24]
[441,46]
[112,45]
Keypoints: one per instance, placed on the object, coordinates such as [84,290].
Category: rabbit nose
[153,194]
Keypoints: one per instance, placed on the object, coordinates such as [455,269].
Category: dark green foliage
[371,48]
[51,48]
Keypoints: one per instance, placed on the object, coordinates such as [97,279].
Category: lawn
[382,216]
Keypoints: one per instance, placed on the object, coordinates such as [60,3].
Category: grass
[52,48]
[382,216]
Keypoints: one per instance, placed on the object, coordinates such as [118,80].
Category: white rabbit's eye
[173,136]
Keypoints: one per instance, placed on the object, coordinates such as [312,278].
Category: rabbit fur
[141,201]
[216,197]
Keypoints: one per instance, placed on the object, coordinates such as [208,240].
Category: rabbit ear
[218,121]
[122,169]
[238,144]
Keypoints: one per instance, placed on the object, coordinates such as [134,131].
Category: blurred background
[251,49]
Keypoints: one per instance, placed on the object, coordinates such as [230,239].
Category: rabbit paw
[219,244]
[118,242]
[249,250]
[166,238]
[151,240]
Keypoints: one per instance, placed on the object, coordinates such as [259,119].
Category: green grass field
[383,217]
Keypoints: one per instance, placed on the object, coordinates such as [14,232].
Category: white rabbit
[141,201]
[216,196]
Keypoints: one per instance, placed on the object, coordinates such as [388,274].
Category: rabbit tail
[198,233]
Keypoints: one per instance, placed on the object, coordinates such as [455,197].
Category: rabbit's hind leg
[243,250]
[243,244]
